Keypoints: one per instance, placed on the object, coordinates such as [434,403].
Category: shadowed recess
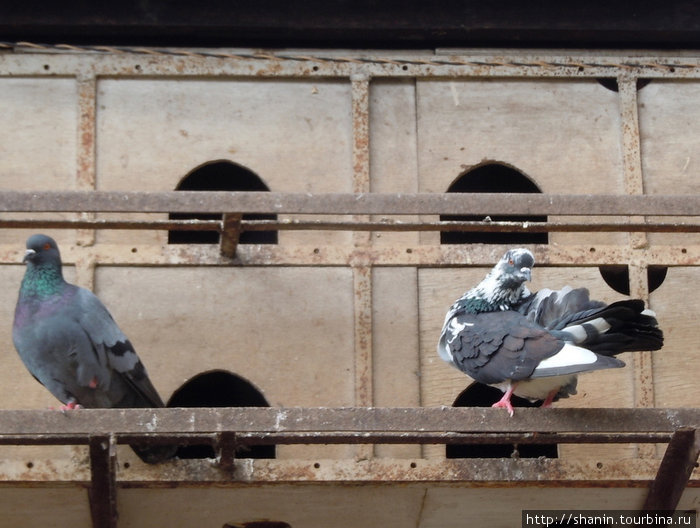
[493,178]
[220,176]
[617,276]
[220,388]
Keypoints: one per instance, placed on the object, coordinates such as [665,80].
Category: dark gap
[617,276]
[611,83]
[493,178]
[480,395]
[219,388]
[220,176]
[656,275]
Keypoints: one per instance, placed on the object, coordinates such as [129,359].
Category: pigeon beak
[28,255]
[526,273]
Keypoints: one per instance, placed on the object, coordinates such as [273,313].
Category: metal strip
[507,204]
[243,63]
[362,286]
[674,472]
[86,171]
[103,487]
[227,442]
[421,437]
[481,255]
[643,362]
[357,225]
[631,147]
[466,473]
[361,269]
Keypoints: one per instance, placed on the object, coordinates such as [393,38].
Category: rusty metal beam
[103,487]
[474,472]
[227,442]
[507,204]
[361,268]
[33,60]
[149,424]
[674,472]
[376,225]
[481,255]
[422,437]
[103,223]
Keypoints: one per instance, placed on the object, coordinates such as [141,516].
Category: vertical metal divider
[639,288]
[86,173]
[360,264]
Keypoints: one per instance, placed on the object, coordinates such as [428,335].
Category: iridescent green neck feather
[42,280]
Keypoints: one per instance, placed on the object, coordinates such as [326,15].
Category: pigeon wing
[497,346]
[114,352]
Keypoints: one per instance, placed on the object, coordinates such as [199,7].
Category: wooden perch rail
[225,428]
[22,427]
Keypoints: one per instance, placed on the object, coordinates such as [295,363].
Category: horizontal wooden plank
[507,204]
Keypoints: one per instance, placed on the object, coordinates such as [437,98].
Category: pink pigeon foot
[550,398]
[505,401]
[72,404]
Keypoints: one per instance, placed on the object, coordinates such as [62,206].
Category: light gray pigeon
[534,345]
[69,342]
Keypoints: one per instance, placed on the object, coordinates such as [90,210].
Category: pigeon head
[503,287]
[44,275]
[42,249]
[515,267]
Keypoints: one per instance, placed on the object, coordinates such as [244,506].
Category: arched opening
[220,176]
[610,83]
[493,178]
[480,395]
[220,388]
[617,276]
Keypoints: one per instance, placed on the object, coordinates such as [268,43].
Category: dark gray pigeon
[535,345]
[69,342]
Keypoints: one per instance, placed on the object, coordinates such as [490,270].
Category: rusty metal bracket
[674,471]
[230,234]
[103,487]
[226,447]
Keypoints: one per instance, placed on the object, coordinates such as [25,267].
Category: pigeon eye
[47,246]
[510,262]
